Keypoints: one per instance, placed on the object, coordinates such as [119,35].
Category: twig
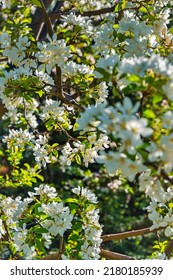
[114,256]
[70,138]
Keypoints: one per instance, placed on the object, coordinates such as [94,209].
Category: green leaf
[36,3]
[117,8]
[75,127]
[71,200]
[39,245]
[49,124]
[157,98]
[170,205]
[78,159]
[77,226]
[134,78]
[40,177]
[103,72]
[73,208]
[55,145]
[149,114]
[72,48]
[143,10]
[74,237]
[40,93]
[55,152]
[12,248]
[41,230]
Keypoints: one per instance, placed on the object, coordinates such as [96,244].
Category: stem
[70,138]
[56,256]
[61,243]
[58,82]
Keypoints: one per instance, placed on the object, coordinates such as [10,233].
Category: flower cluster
[29,224]
[89,152]
[86,233]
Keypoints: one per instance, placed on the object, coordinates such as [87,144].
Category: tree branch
[123,235]
[114,256]
[47,19]
[58,75]
[102,11]
[169,249]
[38,23]
[54,256]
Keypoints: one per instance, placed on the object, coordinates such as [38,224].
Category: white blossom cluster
[91,227]
[161,220]
[18,138]
[91,247]
[60,218]
[5,3]
[88,153]
[52,53]
[54,217]
[122,123]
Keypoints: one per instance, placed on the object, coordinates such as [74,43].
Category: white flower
[60,218]
[87,119]
[23,42]
[167,121]
[5,40]
[72,68]
[15,55]
[102,92]
[43,190]
[18,138]
[138,128]
[41,155]
[134,65]
[89,156]
[84,22]
[87,194]
[13,208]
[162,256]
[52,109]
[19,237]
[127,108]
[52,53]
[118,161]
[107,64]
[52,208]
[168,88]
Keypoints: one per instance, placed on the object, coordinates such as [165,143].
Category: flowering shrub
[83,83]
